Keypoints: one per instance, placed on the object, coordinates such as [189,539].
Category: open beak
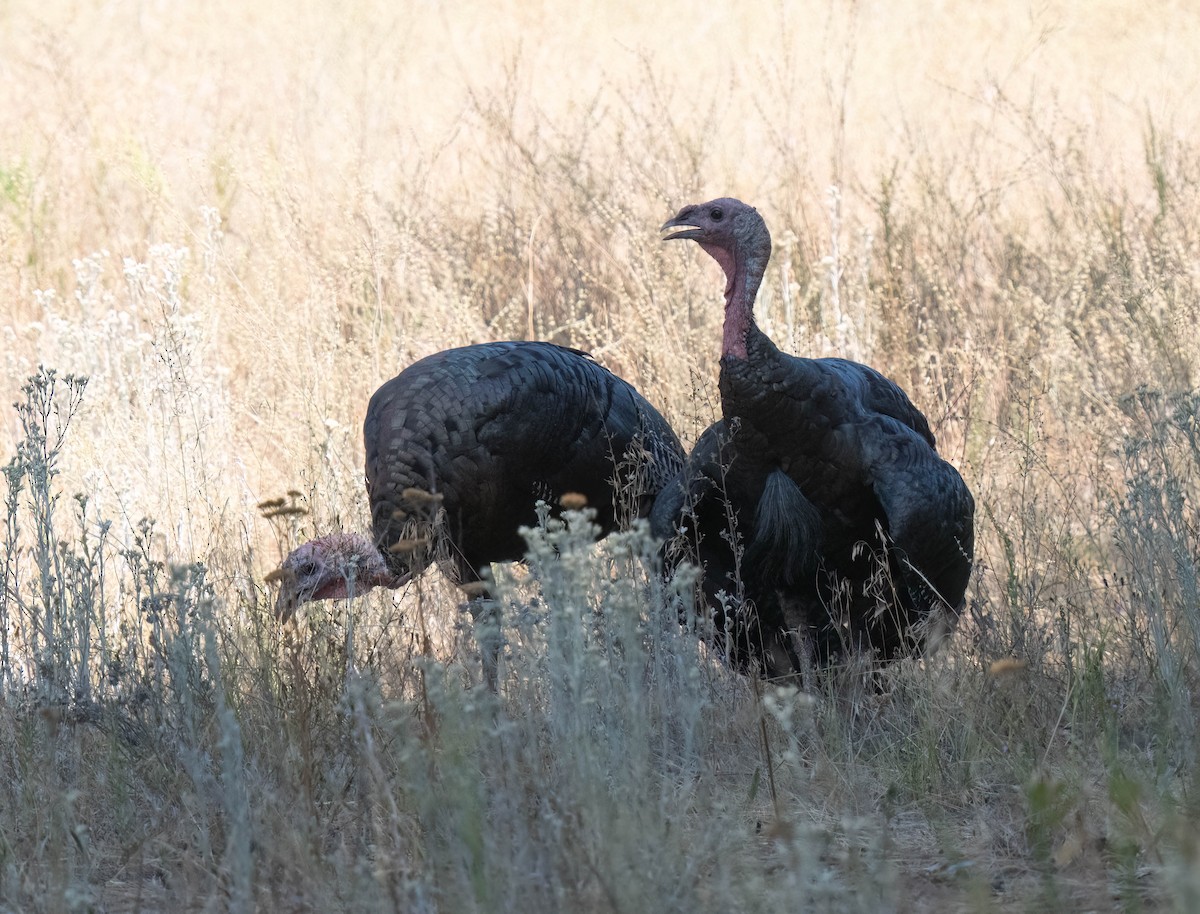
[679,230]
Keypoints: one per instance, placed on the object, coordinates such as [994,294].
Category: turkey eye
[307,570]
[717,214]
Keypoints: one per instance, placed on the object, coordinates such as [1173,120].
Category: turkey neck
[373,566]
[750,363]
[743,275]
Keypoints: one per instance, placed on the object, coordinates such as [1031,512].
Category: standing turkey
[462,444]
[818,504]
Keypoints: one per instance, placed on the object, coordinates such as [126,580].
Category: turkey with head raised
[461,445]
[818,507]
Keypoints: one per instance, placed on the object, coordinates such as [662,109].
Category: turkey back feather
[487,430]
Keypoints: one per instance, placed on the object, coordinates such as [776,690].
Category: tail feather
[787,533]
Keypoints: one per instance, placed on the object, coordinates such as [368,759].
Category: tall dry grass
[236,221]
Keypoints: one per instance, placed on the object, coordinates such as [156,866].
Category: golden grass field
[237,220]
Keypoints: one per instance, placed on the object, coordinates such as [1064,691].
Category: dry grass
[237,220]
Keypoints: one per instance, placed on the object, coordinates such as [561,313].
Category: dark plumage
[462,444]
[851,530]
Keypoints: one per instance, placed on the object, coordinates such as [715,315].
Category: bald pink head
[736,237]
[328,568]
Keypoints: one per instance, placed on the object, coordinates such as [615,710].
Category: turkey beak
[288,599]
[679,229]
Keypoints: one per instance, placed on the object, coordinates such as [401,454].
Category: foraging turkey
[851,532]
[462,444]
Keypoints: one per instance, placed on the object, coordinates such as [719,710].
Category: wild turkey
[462,444]
[818,504]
